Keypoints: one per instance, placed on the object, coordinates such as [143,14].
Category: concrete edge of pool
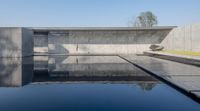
[192,60]
[194,94]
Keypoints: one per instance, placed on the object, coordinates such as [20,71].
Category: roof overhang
[101,28]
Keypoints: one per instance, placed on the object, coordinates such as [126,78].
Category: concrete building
[16,42]
[21,42]
[98,41]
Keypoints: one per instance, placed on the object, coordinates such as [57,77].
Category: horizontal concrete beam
[100,28]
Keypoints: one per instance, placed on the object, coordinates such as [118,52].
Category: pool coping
[192,94]
[192,60]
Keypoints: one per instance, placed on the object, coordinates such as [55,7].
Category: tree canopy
[145,19]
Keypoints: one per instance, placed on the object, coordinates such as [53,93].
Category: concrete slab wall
[10,42]
[185,38]
[27,42]
[18,42]
[41,44]
[15,42]
[99,41]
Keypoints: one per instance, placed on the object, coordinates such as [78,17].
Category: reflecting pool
[84,83]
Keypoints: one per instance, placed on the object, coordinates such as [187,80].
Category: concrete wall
[10,42]
[18,42]
[15,42]
[185,38]
[99,41]
[41,44]
[27,42]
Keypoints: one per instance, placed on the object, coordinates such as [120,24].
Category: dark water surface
[84,83]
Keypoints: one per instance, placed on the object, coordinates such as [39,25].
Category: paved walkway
[183,76]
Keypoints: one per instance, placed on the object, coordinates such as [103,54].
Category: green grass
[182,52]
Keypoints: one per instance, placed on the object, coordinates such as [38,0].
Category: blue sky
[89,13]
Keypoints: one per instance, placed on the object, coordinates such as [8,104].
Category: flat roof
[101,28]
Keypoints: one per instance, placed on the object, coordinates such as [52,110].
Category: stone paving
[186,77]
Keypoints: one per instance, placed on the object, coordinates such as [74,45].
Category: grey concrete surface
[102,28]
[184,38]
[184,76]
[27,42]
[40,44]
[192,60]
[115,40]
[15,42]
[94,40]
[10,42]
[124,41]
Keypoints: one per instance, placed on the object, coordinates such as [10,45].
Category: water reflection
[16,72]
[78,83]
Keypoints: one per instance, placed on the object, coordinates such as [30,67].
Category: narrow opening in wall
[41,33]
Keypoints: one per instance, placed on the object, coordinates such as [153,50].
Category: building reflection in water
[16,72]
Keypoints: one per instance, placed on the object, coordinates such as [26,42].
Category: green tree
[145,19]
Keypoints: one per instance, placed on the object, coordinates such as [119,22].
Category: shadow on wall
[151,37]
[15,42]
[56,41]
[117,37]
[99,42]
[57,49]
[7,47]
[27,42]
[40,43]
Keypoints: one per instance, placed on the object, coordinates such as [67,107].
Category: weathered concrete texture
[10,42]
[99,41]
[183,39]
[192,60]
[41,44]
[15,42]
[185,77]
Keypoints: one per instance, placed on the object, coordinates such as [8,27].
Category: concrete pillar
[16,42]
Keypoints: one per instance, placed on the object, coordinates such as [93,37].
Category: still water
[84,83]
